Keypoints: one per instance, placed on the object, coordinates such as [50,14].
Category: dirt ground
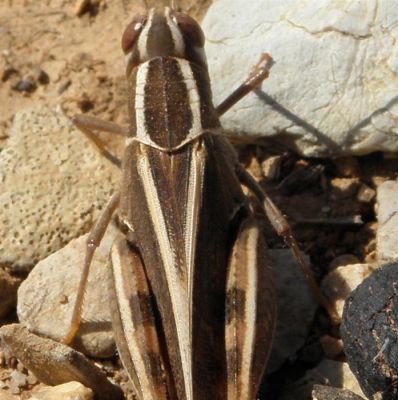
[67,53]
[62,53]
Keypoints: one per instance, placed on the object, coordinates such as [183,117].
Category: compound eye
[190,29]
[132,32]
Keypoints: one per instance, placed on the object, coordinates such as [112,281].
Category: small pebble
[366,194]
[387,217]
[255,168]
[343,260]
[40,76]
[6,72]
[342,188]
[332,347]
[81,6]
[20,367]
[67,391]
[347,166]
[25,85]
[32,380]
[339,283]
[64,84]
[271,167]
[18,381]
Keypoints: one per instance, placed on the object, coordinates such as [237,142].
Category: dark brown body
[191,285]
[193,268]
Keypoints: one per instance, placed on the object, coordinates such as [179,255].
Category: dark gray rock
[369,333]
[330,393]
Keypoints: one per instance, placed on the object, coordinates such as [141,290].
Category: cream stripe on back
[142,73]
[194,104]
[250,311]
[144,390]
[195,186]
[143,38]
[178,40]
[178,288]
[194,99]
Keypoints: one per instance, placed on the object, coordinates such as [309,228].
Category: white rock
[46,297]
[387,215]
[53,182]
[339,283]
[334,87]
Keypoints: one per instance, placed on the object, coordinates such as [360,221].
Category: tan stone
[46,298]
[339,283]
[53,182]
[54,363]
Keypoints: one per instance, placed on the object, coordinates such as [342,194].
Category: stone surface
[8,292]
[369,332]
[339,283]
[334,373]
[67,391]
[46,297]
[333,89]
[343,260]
[54,363]
[330,393]
[387,216]
[18,381]
[296,308]
[52,183]
[7,396]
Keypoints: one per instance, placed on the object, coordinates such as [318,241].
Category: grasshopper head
[163,33]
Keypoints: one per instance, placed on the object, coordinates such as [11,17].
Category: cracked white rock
[333,90]
[53,182]
[387,216]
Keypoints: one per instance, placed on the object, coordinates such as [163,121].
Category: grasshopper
[191,285]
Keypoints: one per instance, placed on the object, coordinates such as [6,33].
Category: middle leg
[87,124]
[284,230]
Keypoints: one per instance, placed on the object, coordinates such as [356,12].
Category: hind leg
[251,310]
[133,319]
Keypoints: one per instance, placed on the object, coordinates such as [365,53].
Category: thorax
[170,103]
